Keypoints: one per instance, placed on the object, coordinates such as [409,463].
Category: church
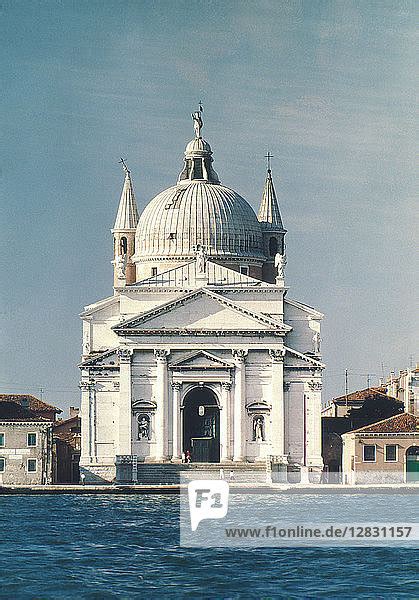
[200,355]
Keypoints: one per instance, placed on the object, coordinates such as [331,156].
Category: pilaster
[162,399]
[176,433]
[278,411]
[239,357]
[225,453]
[123,443]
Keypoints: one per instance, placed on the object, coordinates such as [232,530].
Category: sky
[327,86]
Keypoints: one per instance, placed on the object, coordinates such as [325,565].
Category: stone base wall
[98,473]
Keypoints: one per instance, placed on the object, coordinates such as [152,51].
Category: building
[349,412]
[340,407]
[199,350]
[405,387]
[67,445]
[38,407]
[384,452]
[25,445]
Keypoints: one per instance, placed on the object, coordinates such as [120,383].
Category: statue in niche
[280,262]
[201,259]
[143,427]
[258,429]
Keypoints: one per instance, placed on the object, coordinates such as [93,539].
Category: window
[32,465]
[391,453]
[2,465]
[32,439]
[244,270]
[273,246]
[123,245]
[369,453]
[153,271]
[2,440]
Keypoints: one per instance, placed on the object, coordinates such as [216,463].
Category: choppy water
[94,547]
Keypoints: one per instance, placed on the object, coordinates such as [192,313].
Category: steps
[167,473]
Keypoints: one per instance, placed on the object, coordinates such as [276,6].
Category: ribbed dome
[197,145]
[180,218]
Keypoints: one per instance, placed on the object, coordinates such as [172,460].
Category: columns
[124,435]
[225,421]
[239,357]
[313,435]
[278,412]
[87,434]
[162,400]
[176,430]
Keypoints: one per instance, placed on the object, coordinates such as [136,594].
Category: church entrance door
[201,425]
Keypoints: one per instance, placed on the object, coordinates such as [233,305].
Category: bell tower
[124,233]
[273,231]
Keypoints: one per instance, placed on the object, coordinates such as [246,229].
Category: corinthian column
[176,452]
[313,423]
[162,393]
[225,421]
[278,412]
[87,441]
[239,357]
[123,445]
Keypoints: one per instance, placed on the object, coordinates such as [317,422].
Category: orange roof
[362,394]
[403,423]
[34,403]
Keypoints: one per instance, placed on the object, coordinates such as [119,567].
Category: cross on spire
[268,157]
[124,166]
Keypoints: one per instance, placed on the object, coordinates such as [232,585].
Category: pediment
[257,406]
[295,359]
[145,405]
[201,360]
[202,311]
[107,359]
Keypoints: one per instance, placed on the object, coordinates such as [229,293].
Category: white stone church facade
[199,352]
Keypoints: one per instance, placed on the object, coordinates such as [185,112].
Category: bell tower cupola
[124,233]
[273,231]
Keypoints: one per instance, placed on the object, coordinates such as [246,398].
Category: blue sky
[328,87]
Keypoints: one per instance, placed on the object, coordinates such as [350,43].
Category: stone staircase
[168,473]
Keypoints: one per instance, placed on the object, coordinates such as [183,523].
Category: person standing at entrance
[188,456]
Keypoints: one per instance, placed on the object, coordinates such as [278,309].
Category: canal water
[105,547]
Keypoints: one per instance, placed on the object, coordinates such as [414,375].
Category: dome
[196,146]
[196,213]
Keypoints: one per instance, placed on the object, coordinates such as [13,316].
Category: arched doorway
[201,425]
[412,464]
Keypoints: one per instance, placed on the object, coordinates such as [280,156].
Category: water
[94,547]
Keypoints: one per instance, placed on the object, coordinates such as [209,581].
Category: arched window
[273,246]
[123,245]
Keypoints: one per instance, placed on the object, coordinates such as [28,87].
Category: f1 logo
[208,499]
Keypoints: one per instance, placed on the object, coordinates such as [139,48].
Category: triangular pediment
[106,359]
[201,360]
[201,311]
[298,359]
[186,277]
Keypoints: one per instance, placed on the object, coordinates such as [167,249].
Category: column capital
[161,354]
[176,385]
[315,386]
[239,354]
[85,386]
[124,355]
[226,385]
[277,355]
